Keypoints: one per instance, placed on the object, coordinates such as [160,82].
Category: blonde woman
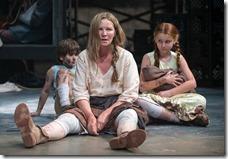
[106,86]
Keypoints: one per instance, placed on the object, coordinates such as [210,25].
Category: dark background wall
[201,24]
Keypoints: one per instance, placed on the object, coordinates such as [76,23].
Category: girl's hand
[172,79]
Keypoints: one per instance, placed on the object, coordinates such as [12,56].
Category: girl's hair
[67,46]
[94,39]
[170,29]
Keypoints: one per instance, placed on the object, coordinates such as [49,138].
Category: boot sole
[133,139]
[136,138]
[23,121]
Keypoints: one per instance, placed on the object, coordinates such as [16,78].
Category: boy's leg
[128,136]
[63,92]
[63,87]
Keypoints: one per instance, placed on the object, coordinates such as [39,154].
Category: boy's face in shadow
[69,60]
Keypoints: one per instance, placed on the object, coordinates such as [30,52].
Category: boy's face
[69,60]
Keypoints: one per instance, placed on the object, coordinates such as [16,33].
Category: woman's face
[164,42]
[106,32]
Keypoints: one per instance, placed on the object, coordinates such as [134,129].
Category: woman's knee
[128,114]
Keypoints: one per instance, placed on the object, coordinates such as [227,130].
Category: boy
[61,78]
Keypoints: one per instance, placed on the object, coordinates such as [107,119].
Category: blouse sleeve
[80,86]
[130,80]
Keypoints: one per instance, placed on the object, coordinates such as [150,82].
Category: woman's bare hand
[102,119]
[92,126]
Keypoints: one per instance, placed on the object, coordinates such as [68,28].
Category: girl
[175,104]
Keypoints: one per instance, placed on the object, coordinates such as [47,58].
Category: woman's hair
[94,39]
[170,29]
[67,46]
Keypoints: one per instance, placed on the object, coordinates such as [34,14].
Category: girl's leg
[128,136]
[156,111]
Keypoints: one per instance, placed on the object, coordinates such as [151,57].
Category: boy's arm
[44,93]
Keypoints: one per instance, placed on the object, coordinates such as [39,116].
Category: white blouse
[172,63]
[89,80]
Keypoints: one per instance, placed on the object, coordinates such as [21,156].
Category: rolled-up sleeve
[130,80]
[80,86]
